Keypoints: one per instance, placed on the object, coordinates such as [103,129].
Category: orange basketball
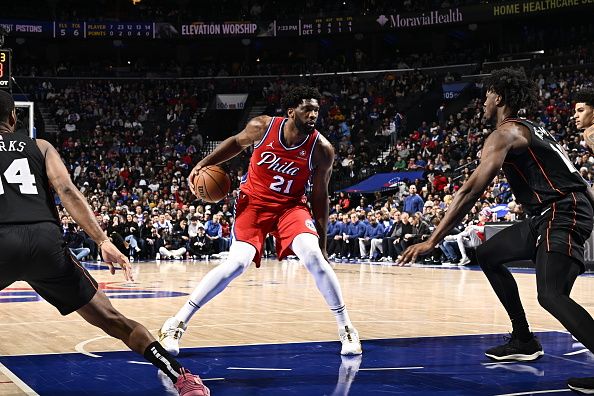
[212,183]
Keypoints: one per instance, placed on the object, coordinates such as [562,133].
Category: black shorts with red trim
[36,253]
[565,225]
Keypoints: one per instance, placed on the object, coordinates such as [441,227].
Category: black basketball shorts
[565,226]
[561,227]
[36,253]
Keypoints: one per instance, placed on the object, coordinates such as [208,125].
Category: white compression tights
[240,257]
[306,248]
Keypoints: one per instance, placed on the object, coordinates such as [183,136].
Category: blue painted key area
[403,366]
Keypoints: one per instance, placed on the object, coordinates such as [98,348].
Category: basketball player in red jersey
[287,152]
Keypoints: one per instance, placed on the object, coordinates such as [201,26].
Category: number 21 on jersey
[279,183]
[19,173]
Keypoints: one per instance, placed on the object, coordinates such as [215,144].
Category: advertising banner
[28,28]
[228,29]
[296,27]
[384,181]
[453,90]
[231,101]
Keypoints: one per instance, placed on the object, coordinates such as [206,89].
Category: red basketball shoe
[189,384]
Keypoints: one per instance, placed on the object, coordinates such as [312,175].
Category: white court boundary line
[259,368]
[390,368]
[535,392]
[501,362]
[17,381]
[80,347]
[576,352]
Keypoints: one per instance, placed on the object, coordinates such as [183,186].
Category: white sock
[239,259]
[307,249]
[342,316]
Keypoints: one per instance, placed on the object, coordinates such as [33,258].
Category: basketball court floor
[423,329]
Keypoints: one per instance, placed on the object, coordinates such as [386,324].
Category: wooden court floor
[280,303]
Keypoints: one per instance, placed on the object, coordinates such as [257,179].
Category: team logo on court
[112,289]
[309,224]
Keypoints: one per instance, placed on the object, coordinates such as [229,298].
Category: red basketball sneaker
[189,384]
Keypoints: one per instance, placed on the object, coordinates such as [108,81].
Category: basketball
[212,183]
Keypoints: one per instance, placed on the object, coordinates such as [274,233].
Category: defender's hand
[412,252]
[112,255]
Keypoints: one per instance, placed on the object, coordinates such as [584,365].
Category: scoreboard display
[331,25]
[5,71]
[70,29]
[317,26]
[104,30]
[121,30]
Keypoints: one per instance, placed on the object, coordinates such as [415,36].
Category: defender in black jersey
[584,120]
[33,250]
[558,202]
[584,114]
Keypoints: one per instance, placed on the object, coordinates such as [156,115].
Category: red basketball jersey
[279,174]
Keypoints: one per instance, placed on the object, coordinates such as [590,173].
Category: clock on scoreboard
[5,72]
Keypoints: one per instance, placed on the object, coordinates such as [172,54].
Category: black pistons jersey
[25,195]
[542,174]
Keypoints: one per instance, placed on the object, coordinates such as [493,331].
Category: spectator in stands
[172,246]
[332,230]
[400,230]
[65,223]
[449,247]
[214,232]
[374,231]
[163,224]
[193,227]
[115,231]
[471,237]
[413,202]
[354,231]
[419,231]
[344,201]
[337,244]
[132,236]
[150,237]
[181,229]
[200,245]
[384,244]
[74,240]
[225,233]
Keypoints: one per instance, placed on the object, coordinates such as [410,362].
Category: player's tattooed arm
[72,199]
[254,131]
[230,147]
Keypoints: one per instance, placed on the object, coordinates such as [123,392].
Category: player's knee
[484,258]
[235,267]
[314,262]
[548,300]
